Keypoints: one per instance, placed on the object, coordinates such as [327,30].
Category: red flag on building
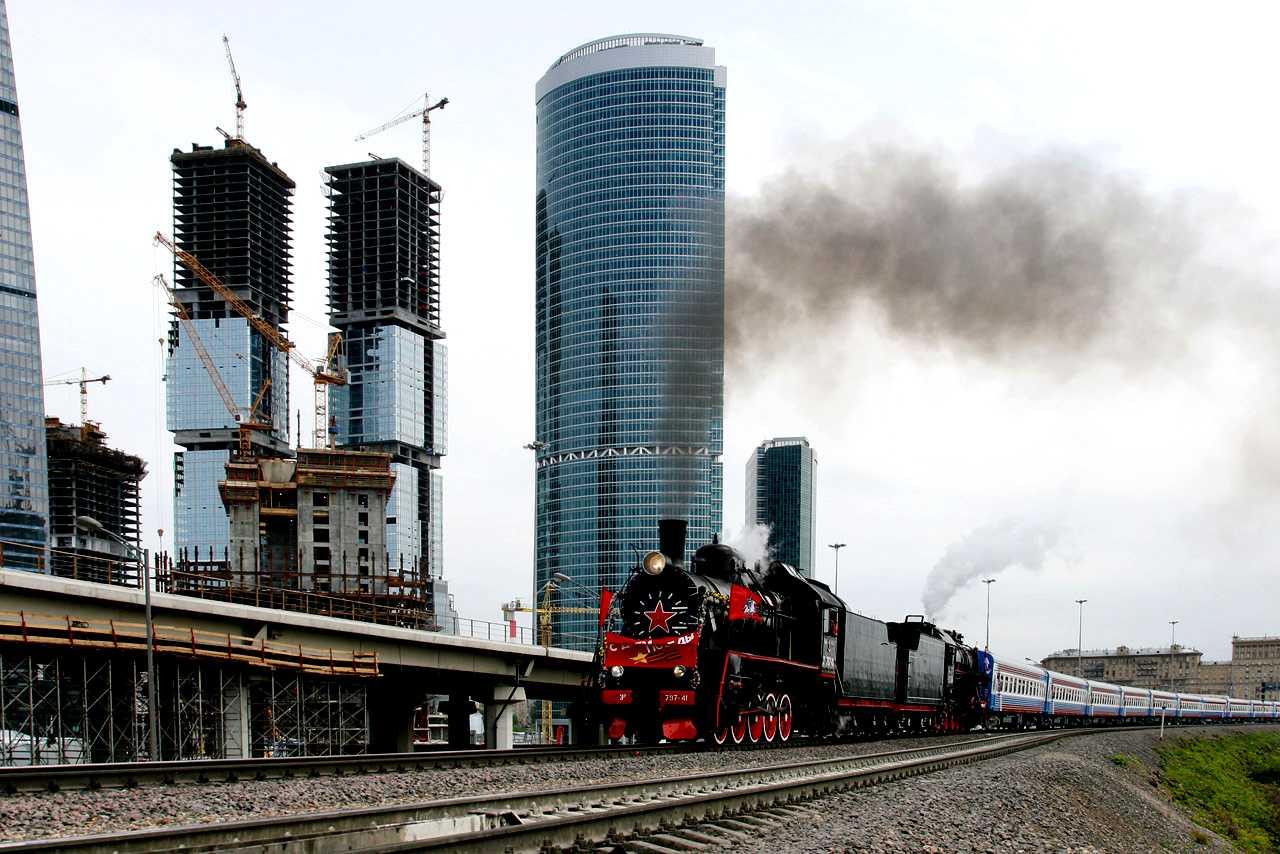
[606,602]
[745,605]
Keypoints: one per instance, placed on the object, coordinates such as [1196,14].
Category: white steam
[752,542]
[988,551]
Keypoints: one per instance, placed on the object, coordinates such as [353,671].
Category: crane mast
[235,78]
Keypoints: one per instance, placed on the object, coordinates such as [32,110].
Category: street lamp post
[536,446]
[988,582]
[90,524]
[836,547]
[1080,640]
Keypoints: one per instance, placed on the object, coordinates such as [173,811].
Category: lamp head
[88,523]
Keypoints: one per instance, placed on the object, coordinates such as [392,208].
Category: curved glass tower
[630,310]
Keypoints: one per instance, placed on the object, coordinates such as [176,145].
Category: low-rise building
[1169,668]
[1252,673]
[1256,666]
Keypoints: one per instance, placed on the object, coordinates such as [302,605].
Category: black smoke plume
[1046,259]
[1052,263]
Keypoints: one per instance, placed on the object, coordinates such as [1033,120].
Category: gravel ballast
[44,814]
[1069,796]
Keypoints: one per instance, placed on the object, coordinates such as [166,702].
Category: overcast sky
[1145,478]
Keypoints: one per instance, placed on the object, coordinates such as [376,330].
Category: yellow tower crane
[246,422]
[328,373]
[542,616]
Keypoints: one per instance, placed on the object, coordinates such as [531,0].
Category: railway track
[54,778]
[556,818]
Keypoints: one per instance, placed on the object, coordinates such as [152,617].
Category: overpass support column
[460,706]
[498,716]
[235,718]
[391,706]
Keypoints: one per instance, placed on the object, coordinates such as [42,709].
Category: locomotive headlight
[654,563]
[616,671]
[678,671]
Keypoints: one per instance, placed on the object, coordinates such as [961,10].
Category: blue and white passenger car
[1017,690]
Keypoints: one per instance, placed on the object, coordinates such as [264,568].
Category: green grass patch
[1124,760]
[1229,783]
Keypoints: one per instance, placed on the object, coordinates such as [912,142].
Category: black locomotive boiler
[715,648]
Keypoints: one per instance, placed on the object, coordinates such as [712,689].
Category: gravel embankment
[41,815]
[1069,796]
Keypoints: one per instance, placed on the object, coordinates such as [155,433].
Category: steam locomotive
[723,650]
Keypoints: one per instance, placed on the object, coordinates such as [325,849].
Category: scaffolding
[81,697]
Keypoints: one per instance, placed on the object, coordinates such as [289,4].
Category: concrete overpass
[410,663]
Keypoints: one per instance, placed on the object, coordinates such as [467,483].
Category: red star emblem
[659,617]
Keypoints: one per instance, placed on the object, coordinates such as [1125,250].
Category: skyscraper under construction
[384,297]
[232,211]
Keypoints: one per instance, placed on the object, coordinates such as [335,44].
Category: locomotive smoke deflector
[671,536]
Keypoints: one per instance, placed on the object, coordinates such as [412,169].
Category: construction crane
[83,382]
[246,422]
[235,78]
[425,112]
[332,375]
[543,616]
[328,373]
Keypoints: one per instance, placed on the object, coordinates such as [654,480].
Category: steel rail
[531,820]
[54,778]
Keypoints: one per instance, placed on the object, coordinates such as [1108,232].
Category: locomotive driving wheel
[784,718]
[721,734]
[770,718]
[755,726]
[739,730]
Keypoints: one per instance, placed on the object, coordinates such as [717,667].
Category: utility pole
[1080,640]
[836,547]
[1173,630]
[988,582]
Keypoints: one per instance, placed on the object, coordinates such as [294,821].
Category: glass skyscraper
[781,493]
[24,482]
[630,310]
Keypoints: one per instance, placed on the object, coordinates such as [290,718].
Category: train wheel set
[771,722]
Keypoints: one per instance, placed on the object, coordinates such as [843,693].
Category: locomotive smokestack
[671,535]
